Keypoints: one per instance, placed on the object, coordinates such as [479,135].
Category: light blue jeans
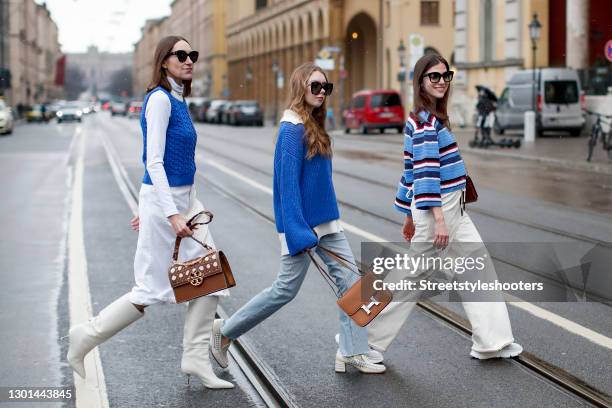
[353,338]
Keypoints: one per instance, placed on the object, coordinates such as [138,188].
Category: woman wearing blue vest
[431,195]
[307,216]
[167,199]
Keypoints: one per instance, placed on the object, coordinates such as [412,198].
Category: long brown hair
[160,76]
[317,139]
[422,100]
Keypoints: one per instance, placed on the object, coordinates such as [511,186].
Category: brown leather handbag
[361,302]
[471,195]
[201,276]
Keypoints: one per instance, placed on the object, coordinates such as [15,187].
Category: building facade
[30,51]
[268,39]
[98,67]
[492,41]
[202,23]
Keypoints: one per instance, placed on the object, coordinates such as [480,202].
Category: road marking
[90,392]
[560,321]
[544,314]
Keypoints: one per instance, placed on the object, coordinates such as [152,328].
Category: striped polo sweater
[432,164]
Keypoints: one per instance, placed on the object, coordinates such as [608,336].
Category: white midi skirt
[155,246]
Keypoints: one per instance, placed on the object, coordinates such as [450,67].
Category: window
[430,12]
[390,99]
[259,4]
[560,92]
[359,102]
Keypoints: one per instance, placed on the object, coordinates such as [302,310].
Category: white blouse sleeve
[158,115]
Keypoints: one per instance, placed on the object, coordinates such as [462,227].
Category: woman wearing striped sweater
[431,194]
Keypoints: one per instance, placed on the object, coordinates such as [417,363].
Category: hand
[179,224]
[135,223]
[408,228]
[440,234]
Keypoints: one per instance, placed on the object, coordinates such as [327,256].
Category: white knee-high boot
[111,320]
[196,339]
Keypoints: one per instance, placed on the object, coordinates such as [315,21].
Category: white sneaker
[511,350]
[219,352]
[374,356]
[360,362]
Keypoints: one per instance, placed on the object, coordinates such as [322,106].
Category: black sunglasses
[316,86]
[434,77]
[182,55]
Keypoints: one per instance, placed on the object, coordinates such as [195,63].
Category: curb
[590,167]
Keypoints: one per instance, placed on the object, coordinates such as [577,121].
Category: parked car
[375,109]
[245,113]
[38,113]
[559,101]
[224,112]
[70,112]
[119,108]
[213,114]
[6,118]
[197,108]
[134,109]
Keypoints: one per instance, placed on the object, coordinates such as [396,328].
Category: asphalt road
[427,366]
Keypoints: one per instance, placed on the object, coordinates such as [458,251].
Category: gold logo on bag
[196,278]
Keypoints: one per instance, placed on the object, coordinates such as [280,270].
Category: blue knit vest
[181,138]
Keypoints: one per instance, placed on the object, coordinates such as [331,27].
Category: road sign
[608,50]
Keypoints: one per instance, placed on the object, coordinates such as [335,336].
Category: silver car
[559,101]
[6,118]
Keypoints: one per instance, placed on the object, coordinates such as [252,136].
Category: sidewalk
[561,150]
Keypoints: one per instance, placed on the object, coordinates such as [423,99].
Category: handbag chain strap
[190,224]
[326,276]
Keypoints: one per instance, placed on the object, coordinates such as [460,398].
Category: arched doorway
[361,54]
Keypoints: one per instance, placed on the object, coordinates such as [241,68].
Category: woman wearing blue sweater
[307,216]
[431,195]
[167,199]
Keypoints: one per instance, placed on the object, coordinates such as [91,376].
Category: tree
[121,82]
[74,83]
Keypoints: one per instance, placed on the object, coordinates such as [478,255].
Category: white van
[559,101]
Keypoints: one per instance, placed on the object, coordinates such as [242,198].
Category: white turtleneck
[157,114]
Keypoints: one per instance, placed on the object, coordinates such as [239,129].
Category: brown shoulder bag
[201,276]
[361,302]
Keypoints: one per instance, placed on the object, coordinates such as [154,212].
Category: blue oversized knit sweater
[304,195]
[432,164]
[181,139]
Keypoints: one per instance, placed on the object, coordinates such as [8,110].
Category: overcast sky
[112,25]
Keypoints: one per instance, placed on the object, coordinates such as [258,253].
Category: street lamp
[275,70]
[534,32]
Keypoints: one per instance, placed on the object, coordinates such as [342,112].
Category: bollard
[530,127]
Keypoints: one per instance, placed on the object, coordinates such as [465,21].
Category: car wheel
[59,121]
[365,130]
[400,129]
[576,132]
[347,131]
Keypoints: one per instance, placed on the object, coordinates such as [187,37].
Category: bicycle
[597,132]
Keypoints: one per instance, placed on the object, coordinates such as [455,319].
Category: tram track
[270,389]
[392,189]
[590,295]
[264,382]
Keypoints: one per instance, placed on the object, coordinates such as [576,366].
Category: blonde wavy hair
[317,139]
